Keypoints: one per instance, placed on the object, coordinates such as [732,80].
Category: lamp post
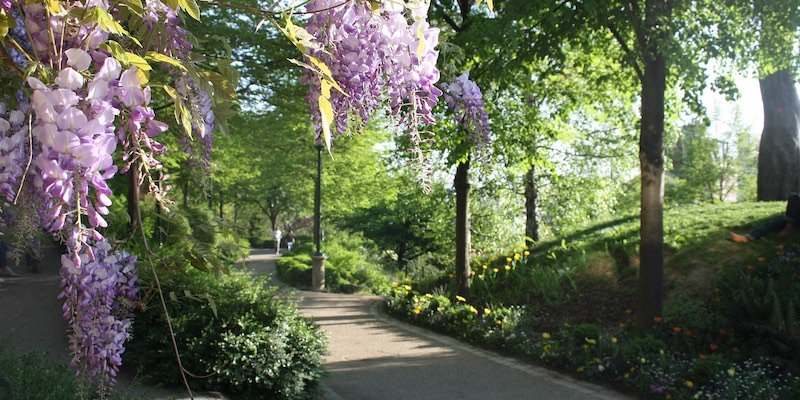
[318,268]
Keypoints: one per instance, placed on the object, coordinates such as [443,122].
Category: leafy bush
[22,373]
[350,266]
[252,343]
[33,376]
[762,301]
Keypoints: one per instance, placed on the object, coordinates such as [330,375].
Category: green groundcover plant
[235,333]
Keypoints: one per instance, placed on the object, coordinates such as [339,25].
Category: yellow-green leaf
[170,92]
[421,37]
[191,8]
[158,57]
[326,114]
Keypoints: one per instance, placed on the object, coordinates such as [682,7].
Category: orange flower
[689,332]
[713,347]
[621,325]
[723,332]
[657,320]
[780,246]
[702,356]
[761,259]
[676,330]
[750,267]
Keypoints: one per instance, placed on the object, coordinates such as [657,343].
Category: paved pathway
[373,356]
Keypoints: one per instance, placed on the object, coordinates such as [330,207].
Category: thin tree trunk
[651,158]
[463,240]
[531,204]
[779,153]
[133,196]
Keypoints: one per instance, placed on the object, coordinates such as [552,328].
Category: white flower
[78,59]
[70,79]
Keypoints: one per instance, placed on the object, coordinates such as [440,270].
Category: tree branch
[630,56]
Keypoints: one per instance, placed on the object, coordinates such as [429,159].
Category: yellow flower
[643,360]
[452,276]
[731,372]
[507,268]
[508,259]
[481,276]
[408,280]
[613,340]
[546,335]
[689,384]
[590,341]
[473,310]
[471,273]
[417,310]
[581,369]
[661,352]
[407,288]
[546,348]
[487,311]
[495,270]
[597,360]
[485,266]
[517,256]
[428,295]
[459,298]
[527,253]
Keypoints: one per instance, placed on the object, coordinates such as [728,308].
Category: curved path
[373,356]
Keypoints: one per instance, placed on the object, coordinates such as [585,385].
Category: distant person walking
[783,225]
[277,235]
[290,240]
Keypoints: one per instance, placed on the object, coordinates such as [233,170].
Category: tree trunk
[651,158]
[133,196]
[779,153]
[531,205]
[463,245]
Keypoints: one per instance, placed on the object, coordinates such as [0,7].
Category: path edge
[600,392]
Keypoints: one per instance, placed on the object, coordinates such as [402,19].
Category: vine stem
[30,158]
[269,13]
[163,303]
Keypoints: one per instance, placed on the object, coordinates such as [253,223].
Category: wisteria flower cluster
[85,97]
[465,98]
[376,57]
[100,293]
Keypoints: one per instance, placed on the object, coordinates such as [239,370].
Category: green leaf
[211,304]
[5,24]
[170,92]
[191,8]
[106,22]
[158,57]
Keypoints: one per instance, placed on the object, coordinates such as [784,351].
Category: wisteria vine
[84,96]
[465,99]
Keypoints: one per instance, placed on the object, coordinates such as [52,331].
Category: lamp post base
[318,272]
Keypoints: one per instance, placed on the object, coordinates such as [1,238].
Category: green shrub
[201,220]
[295,270]
[252,343]
[350,266]
[762,301]
[20,374]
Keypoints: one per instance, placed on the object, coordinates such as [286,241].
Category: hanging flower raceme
[13,148]
[99,295]
[465,99]
[373,56]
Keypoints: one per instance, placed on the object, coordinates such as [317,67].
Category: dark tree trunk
[779,152]
[651,158]
[273,220]
[133,196]
[463,241]
[531,204]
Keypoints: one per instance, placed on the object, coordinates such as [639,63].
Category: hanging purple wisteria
[83,95]
[465,99]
